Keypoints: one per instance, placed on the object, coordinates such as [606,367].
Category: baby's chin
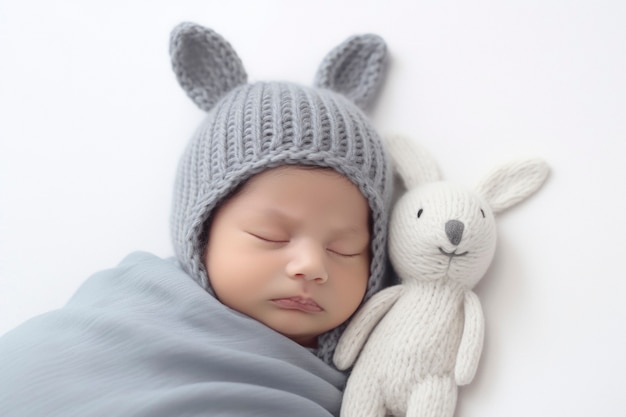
[293,330]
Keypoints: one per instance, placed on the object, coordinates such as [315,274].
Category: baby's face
[291,250]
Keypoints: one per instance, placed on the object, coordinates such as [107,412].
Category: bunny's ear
[205,64]
[512,183]
[354,68]
[413,163]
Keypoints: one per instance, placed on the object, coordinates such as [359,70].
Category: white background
[92,123]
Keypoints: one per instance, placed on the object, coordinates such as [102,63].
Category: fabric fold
[144,339]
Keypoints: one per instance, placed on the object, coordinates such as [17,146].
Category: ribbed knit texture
[252,127]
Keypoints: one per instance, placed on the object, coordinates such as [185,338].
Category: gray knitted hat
[253,127]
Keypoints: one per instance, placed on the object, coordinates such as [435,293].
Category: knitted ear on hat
[354,68]
[205,64]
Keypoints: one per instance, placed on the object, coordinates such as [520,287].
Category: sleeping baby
[279,227]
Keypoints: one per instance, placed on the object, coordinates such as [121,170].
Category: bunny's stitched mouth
[452,254]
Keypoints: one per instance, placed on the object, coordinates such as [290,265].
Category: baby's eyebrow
[275,212]
[340,230]
[351,230]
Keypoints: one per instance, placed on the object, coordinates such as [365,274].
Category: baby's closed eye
[348,254]
[271,237]
[348,248]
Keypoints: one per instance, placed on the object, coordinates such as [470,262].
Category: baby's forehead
[321,201]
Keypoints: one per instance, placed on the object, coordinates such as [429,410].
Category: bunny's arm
[471,341]
[361,326]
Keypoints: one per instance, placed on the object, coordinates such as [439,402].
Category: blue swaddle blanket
[143,339]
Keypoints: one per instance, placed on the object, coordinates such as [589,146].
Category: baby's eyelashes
[269,238]
[346,254]
[277,239]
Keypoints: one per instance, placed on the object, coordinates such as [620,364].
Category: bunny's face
[440,231]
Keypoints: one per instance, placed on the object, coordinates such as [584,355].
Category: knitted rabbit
[426,334]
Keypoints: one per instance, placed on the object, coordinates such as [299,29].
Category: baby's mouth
[306,305]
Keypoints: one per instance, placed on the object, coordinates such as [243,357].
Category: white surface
[92,123]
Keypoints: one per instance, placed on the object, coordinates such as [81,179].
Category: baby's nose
[308,263]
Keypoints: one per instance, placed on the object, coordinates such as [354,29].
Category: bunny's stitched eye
[482,212]
[419,213]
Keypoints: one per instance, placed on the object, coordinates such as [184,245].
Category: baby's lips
[307,305]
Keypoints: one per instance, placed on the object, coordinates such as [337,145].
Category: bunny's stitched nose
[454,230]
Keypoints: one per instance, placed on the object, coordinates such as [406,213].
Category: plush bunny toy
[442,238]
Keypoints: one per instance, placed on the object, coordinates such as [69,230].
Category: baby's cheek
[351,286]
